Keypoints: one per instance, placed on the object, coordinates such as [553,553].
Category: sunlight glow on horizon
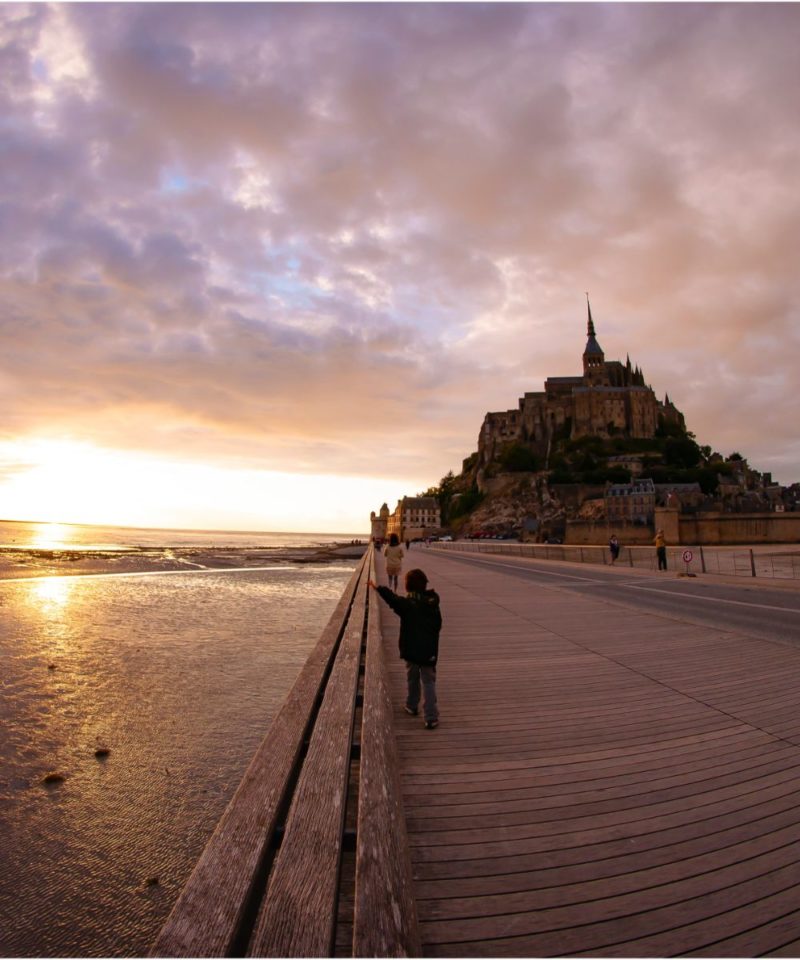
[65,481]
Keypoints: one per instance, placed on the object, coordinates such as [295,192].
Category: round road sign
[687,556]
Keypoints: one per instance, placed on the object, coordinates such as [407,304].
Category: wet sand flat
[30,562]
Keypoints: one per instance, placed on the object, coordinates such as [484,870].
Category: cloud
[329,237]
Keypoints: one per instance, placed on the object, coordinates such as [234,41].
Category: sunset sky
[266,266]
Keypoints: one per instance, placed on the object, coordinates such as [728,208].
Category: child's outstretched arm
[392,600]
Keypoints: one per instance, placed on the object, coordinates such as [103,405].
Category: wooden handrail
[269,880]
[298,917]
[385,923]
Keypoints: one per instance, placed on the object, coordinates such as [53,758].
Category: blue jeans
[427,676]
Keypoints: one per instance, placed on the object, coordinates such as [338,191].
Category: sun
[62,480]
[65,481]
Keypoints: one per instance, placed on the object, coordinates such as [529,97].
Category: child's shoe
[411,711]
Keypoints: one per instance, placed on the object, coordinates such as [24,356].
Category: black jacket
[420,623]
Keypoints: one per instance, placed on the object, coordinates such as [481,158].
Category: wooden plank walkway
[604,782]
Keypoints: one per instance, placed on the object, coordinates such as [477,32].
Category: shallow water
[179,677]
[18,534]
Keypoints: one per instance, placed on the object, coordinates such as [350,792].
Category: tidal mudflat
[131,706]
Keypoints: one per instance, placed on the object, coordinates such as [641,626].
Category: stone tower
[378,523]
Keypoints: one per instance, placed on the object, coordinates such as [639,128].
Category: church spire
[593,357]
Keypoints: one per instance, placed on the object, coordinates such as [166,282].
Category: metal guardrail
[781,564]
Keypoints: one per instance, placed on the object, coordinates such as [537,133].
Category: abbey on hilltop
[609,399]
[594,454]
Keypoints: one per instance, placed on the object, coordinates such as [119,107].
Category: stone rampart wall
[708,528]
[584,532]
[731,528]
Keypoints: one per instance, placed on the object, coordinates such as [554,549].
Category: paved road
[753,610]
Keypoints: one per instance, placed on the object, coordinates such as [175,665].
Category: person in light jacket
[393,553]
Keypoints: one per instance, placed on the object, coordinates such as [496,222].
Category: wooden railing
[310,858]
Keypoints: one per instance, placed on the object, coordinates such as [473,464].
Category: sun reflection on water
[51,594]
[51,536]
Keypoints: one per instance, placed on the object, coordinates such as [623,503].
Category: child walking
[420,624]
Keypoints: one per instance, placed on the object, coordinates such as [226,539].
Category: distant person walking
[613,549]
[393,553]
[661,549]
[420,624]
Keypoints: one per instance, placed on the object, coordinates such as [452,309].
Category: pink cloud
[431,189]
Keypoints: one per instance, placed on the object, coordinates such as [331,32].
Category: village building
[414,518]
[630,502]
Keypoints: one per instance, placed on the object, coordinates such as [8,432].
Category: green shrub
[681,452]
[561,475]
[516,457]
[466,502]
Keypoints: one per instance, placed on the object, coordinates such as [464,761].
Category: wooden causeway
[604,782]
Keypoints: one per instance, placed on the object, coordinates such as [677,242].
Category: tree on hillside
[465,502]
[681,452]
[443,493]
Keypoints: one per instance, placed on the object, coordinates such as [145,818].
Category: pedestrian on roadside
[661,549]
[613,548]
[420,624]
[393,553]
